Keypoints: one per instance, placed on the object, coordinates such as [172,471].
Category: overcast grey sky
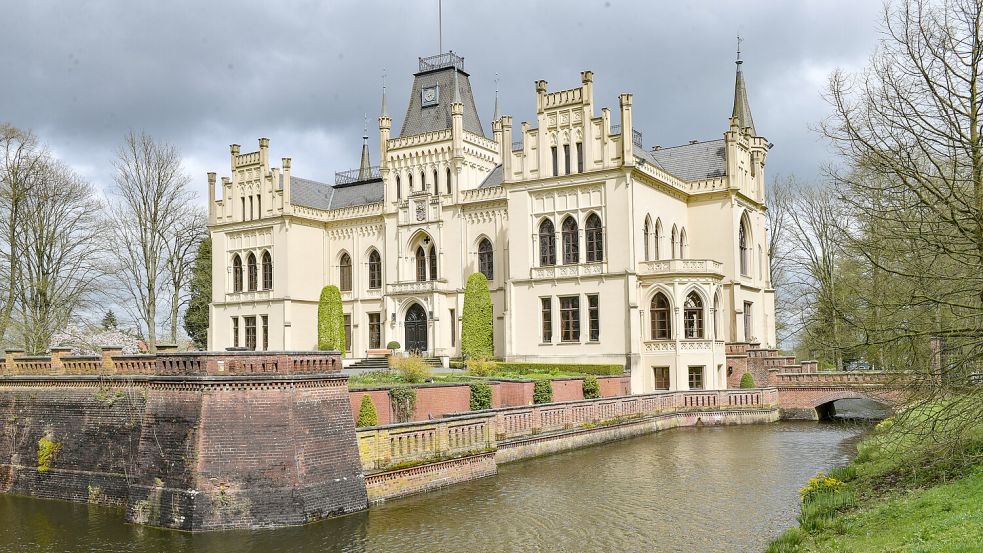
[203,75]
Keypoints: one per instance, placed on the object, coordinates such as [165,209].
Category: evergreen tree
[109,321]
[330,320]
[200,288]
[367,415]
[478,326]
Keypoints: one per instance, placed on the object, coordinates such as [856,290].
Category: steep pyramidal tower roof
[742,109]
[365,167]
[440,81]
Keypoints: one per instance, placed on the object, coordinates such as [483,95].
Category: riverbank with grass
[916,485]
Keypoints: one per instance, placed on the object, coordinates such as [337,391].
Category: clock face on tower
[430,95]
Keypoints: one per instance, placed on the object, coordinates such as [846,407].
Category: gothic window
[375,271]
[571,241]
[421,264]
[267,271]
[675,242]
[410,182]
[433,262]
[423,182]
[683,244]
[486,259]
[556,162]
[594,236]
[646,230]
[693,316]
[659,315]
[547,244]
[399,192]
[658,240]
[716,316]
[566,159]
[743,240]
[448,181]
[580,157]
[236,273]
[251,272]
[436,187]
[345,273]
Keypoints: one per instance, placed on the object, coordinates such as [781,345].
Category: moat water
[688,489]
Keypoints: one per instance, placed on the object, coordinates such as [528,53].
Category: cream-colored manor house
[597,248]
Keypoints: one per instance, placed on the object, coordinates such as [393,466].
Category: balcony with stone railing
[413,287]
[664,267]
[664,346]
[568,271]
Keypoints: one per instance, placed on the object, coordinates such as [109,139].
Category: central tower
[440,82]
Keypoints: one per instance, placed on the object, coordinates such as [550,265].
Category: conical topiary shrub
[367,415]
[747,380]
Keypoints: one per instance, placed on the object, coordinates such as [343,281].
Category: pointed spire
[742,109]
[496,116]
[365,167]
[385,106]
[456,99]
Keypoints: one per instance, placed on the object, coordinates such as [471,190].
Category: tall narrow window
[683,244]
[436,186]
[449,181]
[251,215]
[375,330]
[594,236]
[566,159]
[593,317]
[571,241]
[409,184]
[244,215]
[716,316]
[675,242]
[547,244]
[399,190]
[424,185]
[236,273]
[547,310]
[659,315]
[375,270]
[345,273]
[556,162]
[251,271]
[693,316]
[485,259]
[421,264]
[748,322]
[433,262]
[661,375]
[580,157]
[348,333]
[266,332]
[745,246]
[259,206]
[696,378]
[658,240]
[453,328]
[251,333]
[645,239]
[235,332]
[570,319]
[267,271]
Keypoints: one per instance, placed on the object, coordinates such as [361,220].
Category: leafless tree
[779,199]
[59,262]
[183,236]
[151,192]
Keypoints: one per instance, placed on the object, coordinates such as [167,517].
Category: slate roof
[692,162]
[421,119]
[494,178]
[318,195]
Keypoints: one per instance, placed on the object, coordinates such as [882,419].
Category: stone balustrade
[825,378]
[113,361]
[680,266]
[385,447]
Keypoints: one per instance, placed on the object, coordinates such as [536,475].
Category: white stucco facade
[646,265]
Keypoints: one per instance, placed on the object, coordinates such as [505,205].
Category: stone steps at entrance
[372,363]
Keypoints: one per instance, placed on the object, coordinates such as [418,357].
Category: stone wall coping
[387,387]
[32,357]
[243,353]
[456,417]
[81,358]
[95,378]
[13,350]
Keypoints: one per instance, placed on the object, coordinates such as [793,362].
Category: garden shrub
[477,326]
[47,451]
[413,368]
[601,370]
[592,389]
[747,380]
[367,415]
[482,367]
[542,391]
[481,396]
[330,321]
[392,345]
[403,399]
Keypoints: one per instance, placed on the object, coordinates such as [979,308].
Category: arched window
[716,316]
[252,273]
[267,271]
[594,237]
[436,187]
[683,244]
[485,259]
[399,191]
[421,264]
[547,244]
[345,273]
[646,229]
[571,241]
[375,270]
[236,273]
[744,243]
[423,181]
[658,240]
[410,182]
[675,242]
[693,316]
[433,262]
[660,320]
[448,180]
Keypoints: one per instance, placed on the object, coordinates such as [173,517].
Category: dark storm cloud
[203,75]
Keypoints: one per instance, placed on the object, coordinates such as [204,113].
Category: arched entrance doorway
[416,329]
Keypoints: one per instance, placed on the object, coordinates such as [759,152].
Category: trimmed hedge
[367,415]
[592,390]
[330,321]
[542,391]
[478,325]
[481,397]
[601,370]
[747,380]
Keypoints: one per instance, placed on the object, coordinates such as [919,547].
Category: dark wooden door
[416,329]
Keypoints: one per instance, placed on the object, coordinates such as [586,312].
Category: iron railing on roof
[516,145]
[636,135]
[449,59]
[615,129]
[357,175]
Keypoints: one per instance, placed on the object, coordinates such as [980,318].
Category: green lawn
[392,377]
